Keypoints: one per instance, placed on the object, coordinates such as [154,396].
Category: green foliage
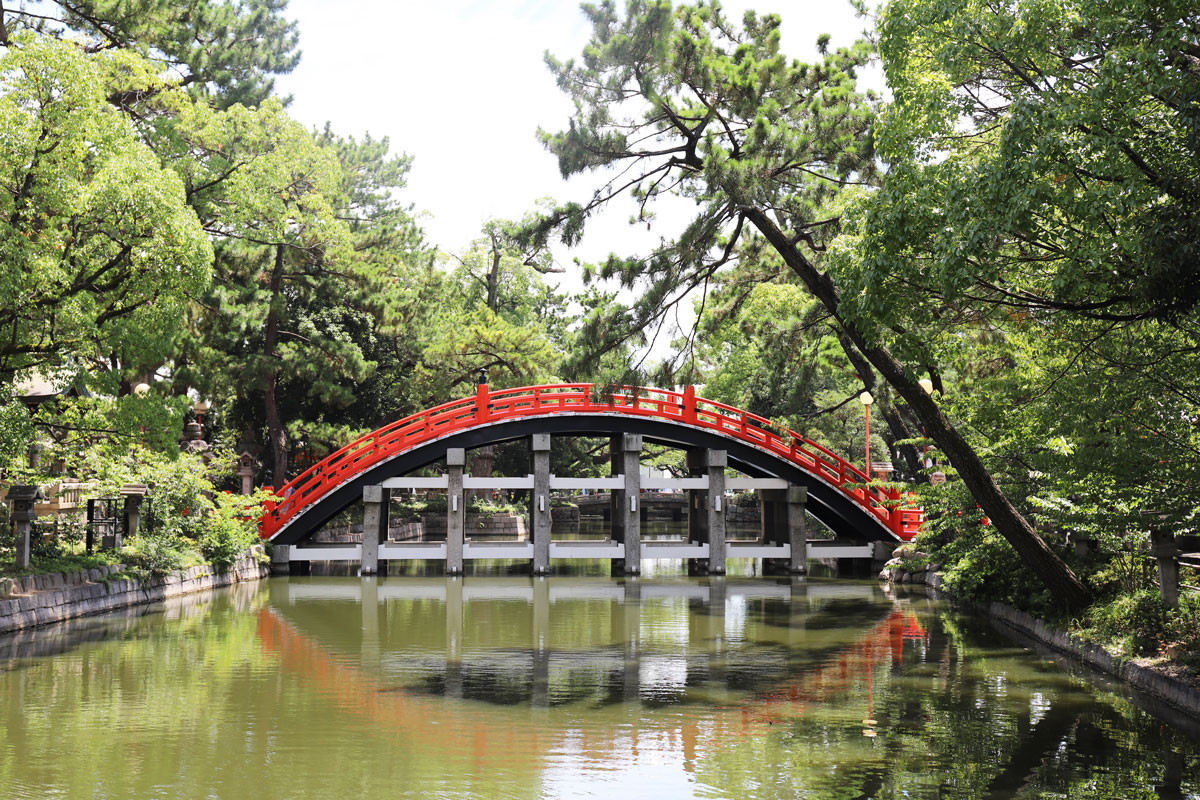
[159,553]
[100,249]
[490,508]
[225,50]
[1184,626]
[180,487]
[1136,623]
[687,102]
[1034,242]
[232,527]
[66,562]
[979,565]
[16,429]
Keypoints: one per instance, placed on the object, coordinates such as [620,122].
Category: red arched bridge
[837,491]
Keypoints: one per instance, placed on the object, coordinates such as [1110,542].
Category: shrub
[232,527]
[157,554]
[1135,622]
[1184,624]
[979,565]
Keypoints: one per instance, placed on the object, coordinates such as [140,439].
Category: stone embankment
[43,599]
[910,566]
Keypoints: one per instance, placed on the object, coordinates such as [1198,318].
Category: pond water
[568,686]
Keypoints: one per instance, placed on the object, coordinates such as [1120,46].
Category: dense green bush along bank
[186,521]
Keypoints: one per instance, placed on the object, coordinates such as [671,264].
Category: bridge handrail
[396,437]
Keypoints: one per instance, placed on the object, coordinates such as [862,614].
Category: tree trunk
[276,436]
[896,425]
[493,276]
[1032,549]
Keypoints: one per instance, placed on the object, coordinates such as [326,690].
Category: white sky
[461,86]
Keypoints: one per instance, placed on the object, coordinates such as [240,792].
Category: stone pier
[626,514]
[706,510]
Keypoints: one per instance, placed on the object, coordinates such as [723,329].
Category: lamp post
[201,408]
[141,390]
[866,399]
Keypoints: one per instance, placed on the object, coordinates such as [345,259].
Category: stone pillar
[456,512]
[541,643]
[1164,549]
[133,493]
[784,523]
[626,625]
[626,503]
[539,502]
[370,644]
[280,559]
[376,500]
[706,510]
[454,637]
[797,529]
[21,500]
[718,651]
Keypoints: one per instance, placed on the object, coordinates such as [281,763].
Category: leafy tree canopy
[226,50]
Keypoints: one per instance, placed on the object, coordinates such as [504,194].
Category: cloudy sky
[461,86]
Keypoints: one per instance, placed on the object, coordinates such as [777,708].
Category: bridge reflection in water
[621,645]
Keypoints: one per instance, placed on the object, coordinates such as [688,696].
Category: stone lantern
[247,469]
[21,500]
[192,443]
[132,494]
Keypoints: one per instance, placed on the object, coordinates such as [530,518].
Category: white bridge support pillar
[626,503]
[376,500]
[456,513]
[706,510]
[783,523]
[539,502]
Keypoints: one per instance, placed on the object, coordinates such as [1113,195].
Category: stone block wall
[43,599]
[1162,686]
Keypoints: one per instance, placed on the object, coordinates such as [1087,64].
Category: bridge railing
[889,506]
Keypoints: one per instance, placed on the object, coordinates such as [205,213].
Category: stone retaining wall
[42,599]
[1173,691]
[1170,690]
[564,513]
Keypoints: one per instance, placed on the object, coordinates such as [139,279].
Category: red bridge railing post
[689,403]
[482,411]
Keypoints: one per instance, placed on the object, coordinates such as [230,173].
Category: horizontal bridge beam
[471,482]
[413,482]
[615,482]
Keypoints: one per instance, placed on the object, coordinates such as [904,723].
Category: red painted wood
[889,506]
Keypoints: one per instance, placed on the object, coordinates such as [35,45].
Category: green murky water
[572,686]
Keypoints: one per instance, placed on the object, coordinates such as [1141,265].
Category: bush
[232,527]
[980,566]
[1136,622]
[1184,624]
[157,554]
[490,508]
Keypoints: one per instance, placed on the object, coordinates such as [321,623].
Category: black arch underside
[828,504]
